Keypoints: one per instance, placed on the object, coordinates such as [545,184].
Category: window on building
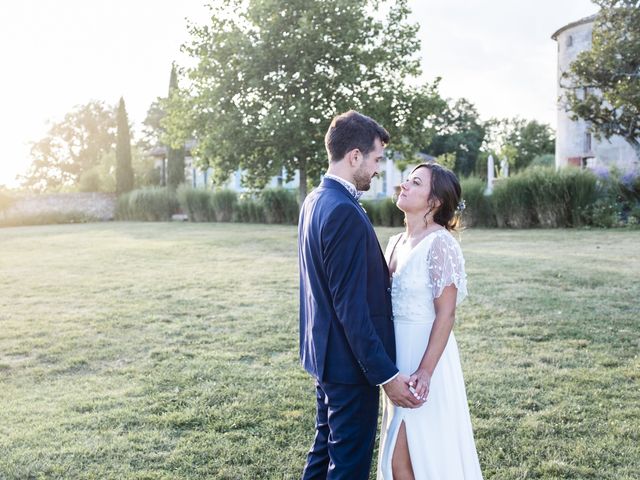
[569,40]
[587,142]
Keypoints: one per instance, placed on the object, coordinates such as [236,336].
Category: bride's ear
[434,204]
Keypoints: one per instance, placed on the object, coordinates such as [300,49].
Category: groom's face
[368,167]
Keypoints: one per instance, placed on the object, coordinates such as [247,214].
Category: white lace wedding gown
[439,433]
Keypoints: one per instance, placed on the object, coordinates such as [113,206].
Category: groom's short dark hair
[352,130]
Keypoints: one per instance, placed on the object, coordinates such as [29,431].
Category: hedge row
[48,218]
[545,197]
[160,204]
[536,197]
[539,197]
[383,212]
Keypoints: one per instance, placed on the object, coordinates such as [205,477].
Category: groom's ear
[353,157]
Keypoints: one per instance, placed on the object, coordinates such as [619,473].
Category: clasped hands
[409,392]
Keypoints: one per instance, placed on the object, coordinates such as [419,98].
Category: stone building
[575,144]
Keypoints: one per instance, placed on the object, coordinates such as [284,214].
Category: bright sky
[59,54]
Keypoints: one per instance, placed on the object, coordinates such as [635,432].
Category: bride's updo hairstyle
[445,188]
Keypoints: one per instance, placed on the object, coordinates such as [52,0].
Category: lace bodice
[422,273]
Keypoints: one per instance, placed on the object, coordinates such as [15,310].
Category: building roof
[584,20]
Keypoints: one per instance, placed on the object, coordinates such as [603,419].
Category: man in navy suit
[346,326]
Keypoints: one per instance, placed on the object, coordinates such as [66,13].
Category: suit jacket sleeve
[345,259]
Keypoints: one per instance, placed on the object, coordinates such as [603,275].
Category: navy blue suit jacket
[346,325]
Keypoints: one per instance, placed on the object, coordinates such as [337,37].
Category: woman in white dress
[435,440]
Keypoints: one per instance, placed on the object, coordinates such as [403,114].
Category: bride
[434,441]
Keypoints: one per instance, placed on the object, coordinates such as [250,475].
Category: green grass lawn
[164,351]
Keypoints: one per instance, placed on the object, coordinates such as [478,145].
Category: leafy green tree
[124,170]
[175,154]
[518,140]
[71,147]
[102,177]
[6,199]
[145,172]
[271,74]
[604,82]
[460,133]
[530,139]
[151,126]
[447,160]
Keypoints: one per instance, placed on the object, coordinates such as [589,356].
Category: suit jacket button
[388,289]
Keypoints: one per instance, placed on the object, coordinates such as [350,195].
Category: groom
[346,328]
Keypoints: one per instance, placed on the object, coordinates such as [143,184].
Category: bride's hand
[420,380]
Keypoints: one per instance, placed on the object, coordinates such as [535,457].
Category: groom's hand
[398,392]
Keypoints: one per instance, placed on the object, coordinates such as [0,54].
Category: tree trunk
[302,189]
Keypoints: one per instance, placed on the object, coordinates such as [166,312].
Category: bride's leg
[401,461]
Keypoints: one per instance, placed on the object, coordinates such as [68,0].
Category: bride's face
[415,192]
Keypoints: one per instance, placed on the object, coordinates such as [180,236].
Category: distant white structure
[504,168]
[385,185]
[575,144]
[490,175]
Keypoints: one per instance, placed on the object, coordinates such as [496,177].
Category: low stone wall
[99,206]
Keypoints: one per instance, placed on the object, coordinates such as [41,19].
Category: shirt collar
[351,188]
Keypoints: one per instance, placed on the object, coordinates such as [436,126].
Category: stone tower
[575,145]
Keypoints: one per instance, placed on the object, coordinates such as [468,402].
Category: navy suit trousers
[346,424]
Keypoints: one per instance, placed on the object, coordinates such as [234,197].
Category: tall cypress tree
[175,156]
[124,170]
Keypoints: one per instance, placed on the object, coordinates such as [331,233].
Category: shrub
[580,193]
[479,208]
[197,203]
[249,210]
[603,213]
[372,207]
[90,181]
[147,204]
[512,202]
[545,160]
[49,218]
[633,218]
[280,206]
[6,200]
[390,214]
[383,212]
[548,197]
[223,204]
[542,196]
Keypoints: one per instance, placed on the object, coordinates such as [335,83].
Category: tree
[461,133]
[124,170]
[71,147]
[529,139]
[151,128]
[519,140]
[604,82]
[175,155]
[271,74]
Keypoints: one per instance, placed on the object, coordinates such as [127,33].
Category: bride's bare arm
[445,307]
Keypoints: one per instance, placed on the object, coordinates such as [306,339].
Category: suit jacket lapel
[329,183]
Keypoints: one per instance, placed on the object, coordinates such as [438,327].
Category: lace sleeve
[446,266]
